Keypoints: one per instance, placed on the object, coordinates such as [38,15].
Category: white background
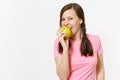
[28,29]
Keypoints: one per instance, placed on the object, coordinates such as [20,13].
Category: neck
[77,36]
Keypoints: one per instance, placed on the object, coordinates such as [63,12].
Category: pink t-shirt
[82,68]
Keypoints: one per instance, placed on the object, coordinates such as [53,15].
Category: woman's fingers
[61,34]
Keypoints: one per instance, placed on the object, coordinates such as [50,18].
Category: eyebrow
[67,17]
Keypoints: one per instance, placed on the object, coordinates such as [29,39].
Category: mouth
[70,27]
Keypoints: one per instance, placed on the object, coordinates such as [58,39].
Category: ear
[81,21]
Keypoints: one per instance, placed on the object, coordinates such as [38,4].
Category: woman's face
[70,19]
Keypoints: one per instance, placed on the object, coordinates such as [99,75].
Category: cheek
[74,30]
[61,23]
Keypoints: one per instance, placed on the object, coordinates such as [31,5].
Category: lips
[70,27]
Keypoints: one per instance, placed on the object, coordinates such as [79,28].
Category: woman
[79,57]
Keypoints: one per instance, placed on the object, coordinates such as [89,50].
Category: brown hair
[86,47]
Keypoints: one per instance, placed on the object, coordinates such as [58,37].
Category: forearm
[100,69]
[101,74]
[63,68]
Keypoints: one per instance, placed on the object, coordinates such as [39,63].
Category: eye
[62,19]
[70,18]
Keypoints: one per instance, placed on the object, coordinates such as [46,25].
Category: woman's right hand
[61,36]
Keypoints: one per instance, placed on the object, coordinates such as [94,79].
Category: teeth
[70,27]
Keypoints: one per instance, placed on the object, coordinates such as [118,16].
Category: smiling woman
[80,56]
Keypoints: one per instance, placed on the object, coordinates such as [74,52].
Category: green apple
[67,30]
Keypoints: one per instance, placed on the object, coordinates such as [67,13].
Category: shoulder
[56,41]
[93,37]
[56,47]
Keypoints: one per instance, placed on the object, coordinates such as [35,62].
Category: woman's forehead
[69,12]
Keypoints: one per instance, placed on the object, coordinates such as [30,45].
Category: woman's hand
[61,36]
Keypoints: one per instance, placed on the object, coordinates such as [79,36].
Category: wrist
[65,50]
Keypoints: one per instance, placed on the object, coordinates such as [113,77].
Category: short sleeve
[56,52]
[99,46]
